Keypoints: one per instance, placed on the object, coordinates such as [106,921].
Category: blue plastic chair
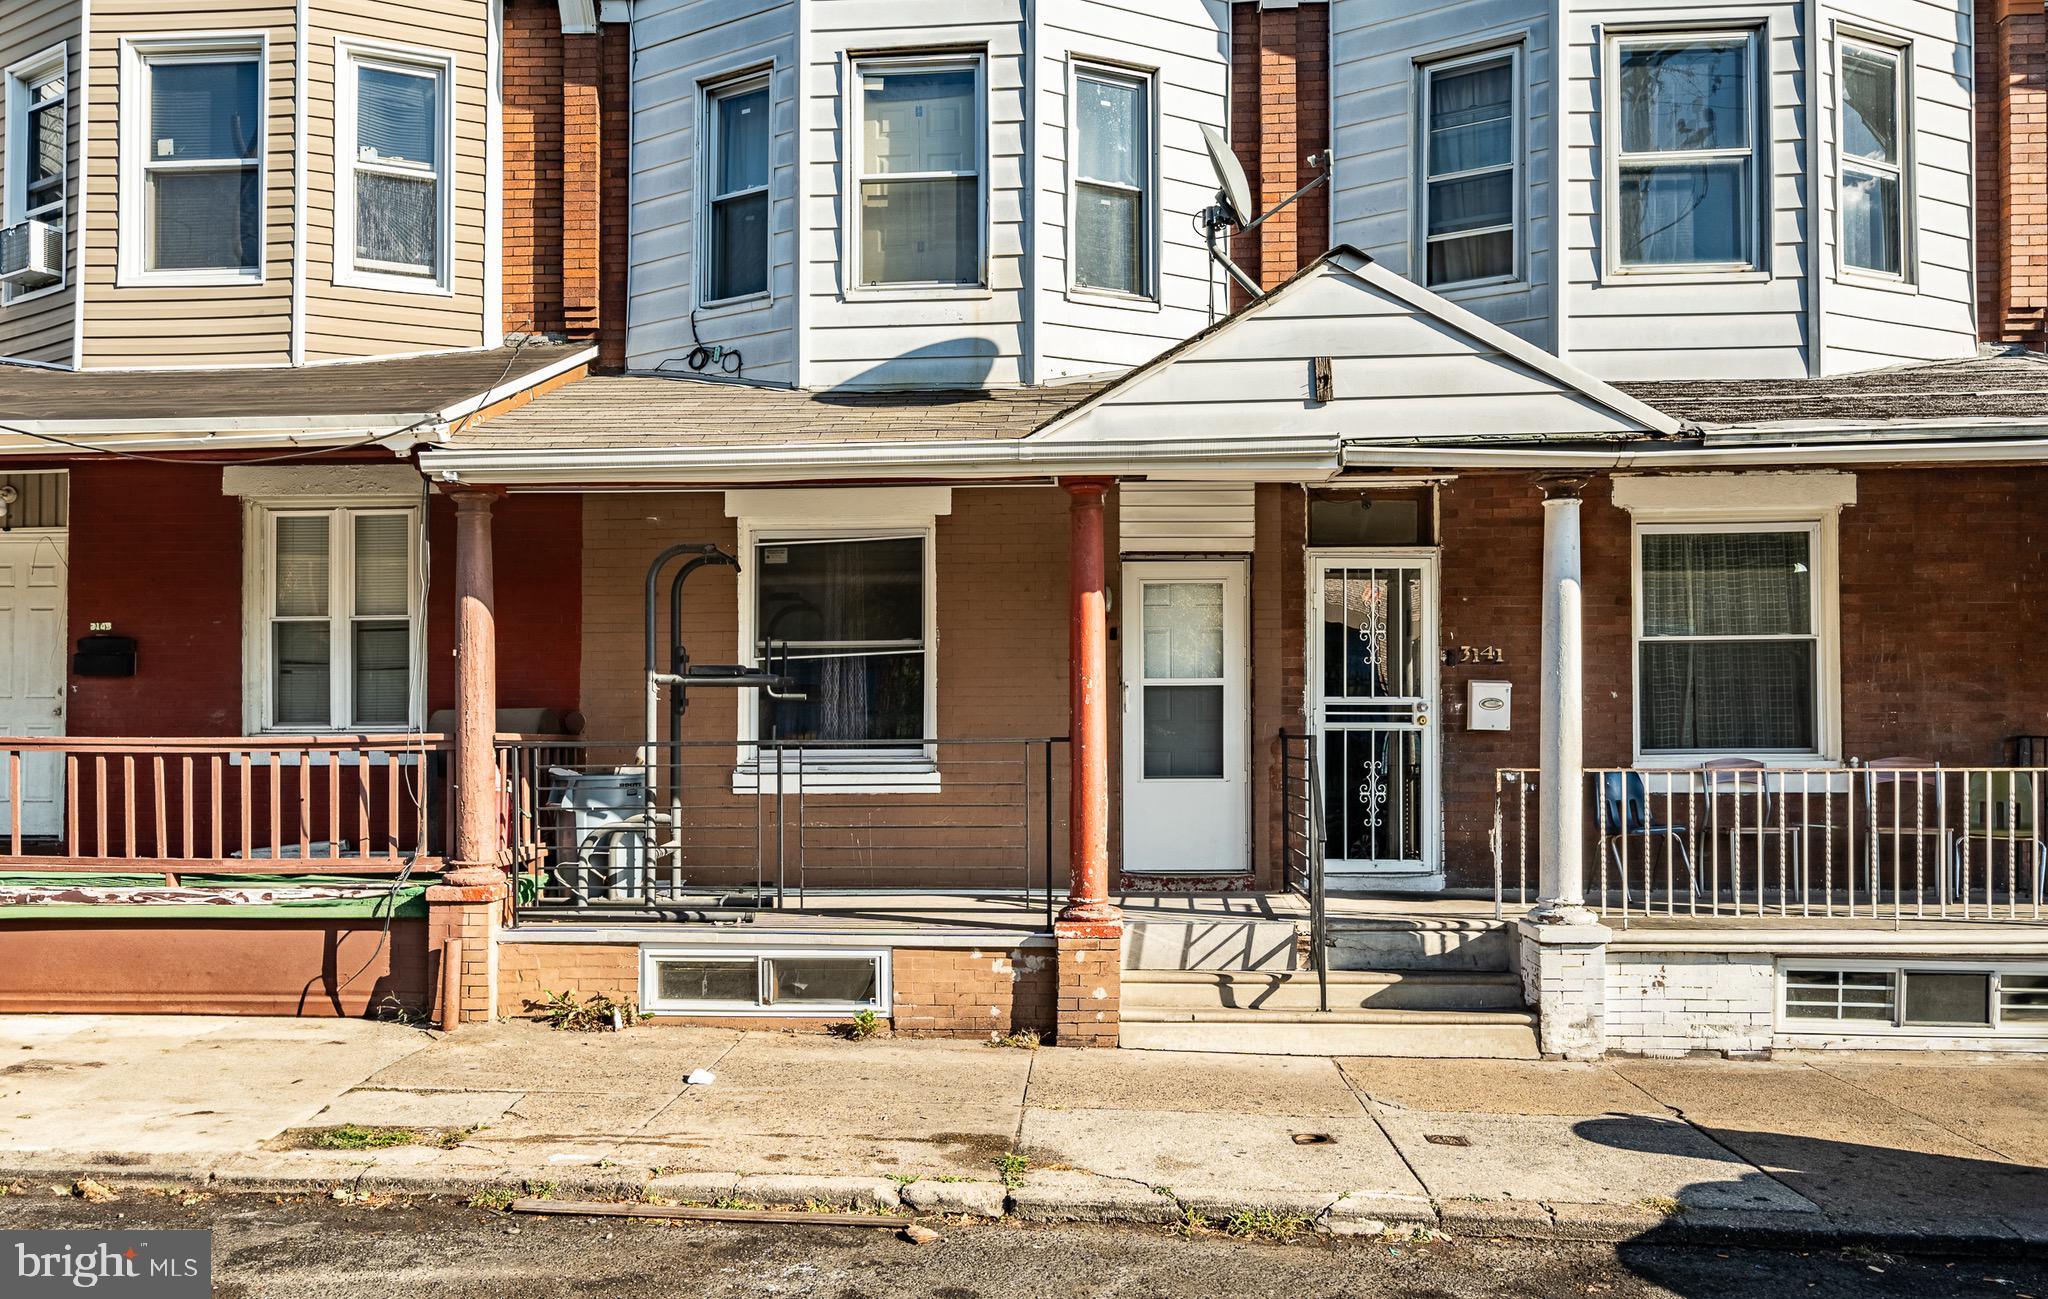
[1628,817]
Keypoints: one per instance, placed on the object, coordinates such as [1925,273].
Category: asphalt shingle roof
[2011,385]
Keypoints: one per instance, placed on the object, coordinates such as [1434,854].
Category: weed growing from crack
[1265,1224]
[496,1197]
[1012,1167]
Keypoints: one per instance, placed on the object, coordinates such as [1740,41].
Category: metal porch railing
[1303,846]
[687,829]
[1891,840]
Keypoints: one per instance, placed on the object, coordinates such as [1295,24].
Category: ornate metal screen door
[1372,694]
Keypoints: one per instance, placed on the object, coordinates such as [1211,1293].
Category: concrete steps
[1402,943]
[1428,1034]
[1268,990]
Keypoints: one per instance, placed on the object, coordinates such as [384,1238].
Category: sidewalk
[1925,1149]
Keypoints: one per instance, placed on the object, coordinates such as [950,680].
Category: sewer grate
[1445,1139]
[1314,1139]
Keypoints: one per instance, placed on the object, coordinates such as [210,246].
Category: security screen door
[1186,791]
[1372,696]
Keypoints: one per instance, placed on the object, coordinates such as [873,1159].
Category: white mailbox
[1488,705]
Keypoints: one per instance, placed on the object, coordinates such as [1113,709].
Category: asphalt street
[274,1247]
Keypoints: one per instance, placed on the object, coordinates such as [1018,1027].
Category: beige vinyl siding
[41,329]
[344,321]
[155,326]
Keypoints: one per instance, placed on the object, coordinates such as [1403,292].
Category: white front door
[1186,788]
[32,567]
[1372,700]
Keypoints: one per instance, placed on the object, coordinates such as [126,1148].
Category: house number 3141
[1481,654]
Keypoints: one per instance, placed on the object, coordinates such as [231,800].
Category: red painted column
[1088,706]
[476,687]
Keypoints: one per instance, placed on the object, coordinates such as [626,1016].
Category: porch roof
[405,400]
[2000,386]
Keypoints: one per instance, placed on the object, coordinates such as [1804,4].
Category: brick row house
[1233,526]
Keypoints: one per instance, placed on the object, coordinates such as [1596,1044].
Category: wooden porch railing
[326,804]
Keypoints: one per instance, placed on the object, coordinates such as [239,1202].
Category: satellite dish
[1236,190]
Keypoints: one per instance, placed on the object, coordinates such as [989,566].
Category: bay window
[1686,183]
[1729,650]
[848,618]
[192,204]
[1471,165]
[736,190]
[1112,228]
[336,617]
[1873,152]
[391,184]
[921,184]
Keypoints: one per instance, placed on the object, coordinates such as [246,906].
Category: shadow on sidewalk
[1883,1196]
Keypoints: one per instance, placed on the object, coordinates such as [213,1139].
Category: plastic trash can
[592,804]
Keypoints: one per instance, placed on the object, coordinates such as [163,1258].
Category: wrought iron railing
[681,829]
[1304,845]
[1894,840]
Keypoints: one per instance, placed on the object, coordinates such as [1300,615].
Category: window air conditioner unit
[32,254]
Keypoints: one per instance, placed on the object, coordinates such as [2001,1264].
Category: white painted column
[1561,788]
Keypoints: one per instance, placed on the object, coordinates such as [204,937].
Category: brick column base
[1090,991]
[468,912]
[1564,979]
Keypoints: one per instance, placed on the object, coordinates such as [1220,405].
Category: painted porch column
[1563,946]
[463,908]
[1089,933]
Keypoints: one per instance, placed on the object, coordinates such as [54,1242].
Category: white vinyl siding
[1379,57]
[683,49]
[393,145]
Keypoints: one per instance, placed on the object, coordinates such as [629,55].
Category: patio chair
[1903,804]
[1743,809]
[2001,811]
[1628,816]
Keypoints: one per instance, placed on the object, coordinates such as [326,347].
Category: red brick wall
[2012,172]
[1280,114]
[157,550]
[615,211]
[957,992]
[533,166]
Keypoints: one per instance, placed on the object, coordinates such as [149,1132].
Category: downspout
[77,166]
[1819,208]
[1031,34]
[799,310]
[1560,259]
[302,47]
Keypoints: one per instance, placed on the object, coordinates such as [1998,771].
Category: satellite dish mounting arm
[1233,207]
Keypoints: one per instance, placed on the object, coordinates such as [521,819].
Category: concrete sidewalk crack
[1371,1110]
[1929,1119]
[1740,1158]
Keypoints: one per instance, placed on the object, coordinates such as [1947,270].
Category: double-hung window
[1873,152]
[335,643]
[1686,186]
[35,148]
[736,189]
[1112,182]
[848,619]
[921,180]
[1471,168]
[192,201]
[1729,653]
[392,144]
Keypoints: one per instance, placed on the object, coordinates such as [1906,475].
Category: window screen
[398,169]
[202,208]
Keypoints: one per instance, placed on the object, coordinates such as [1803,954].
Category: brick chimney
[567,110]
[2012,172]
[1280,114]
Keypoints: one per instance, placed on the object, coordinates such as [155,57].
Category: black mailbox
[101,655]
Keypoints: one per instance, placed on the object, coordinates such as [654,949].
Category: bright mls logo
[119,1264]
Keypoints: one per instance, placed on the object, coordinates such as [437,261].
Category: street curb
[1048,1197]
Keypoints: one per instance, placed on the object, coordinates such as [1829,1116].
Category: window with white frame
[1873,158]
[37,144]
[921,181]
[192,203]
[1471,169]
[848,619]
[1876,997]
[736,189]
[391,156]
[1729,638]
[1112,181]
[337,617]
[1686,176]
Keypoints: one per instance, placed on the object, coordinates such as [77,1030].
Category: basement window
[1869,997]
[784,984]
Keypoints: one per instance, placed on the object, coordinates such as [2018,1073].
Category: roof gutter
[1277,459]
[1684,456]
